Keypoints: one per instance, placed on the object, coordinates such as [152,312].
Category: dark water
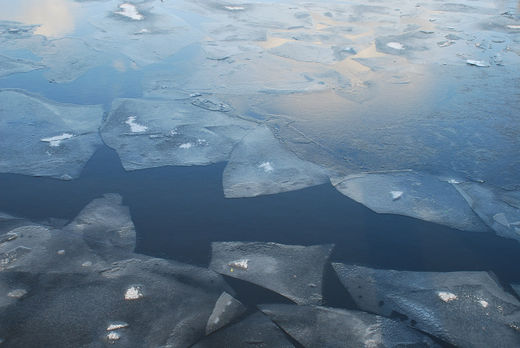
[179,211]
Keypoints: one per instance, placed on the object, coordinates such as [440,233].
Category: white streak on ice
[134,126]
[116,326]
[234,8]
[130,11]
[56,141]
[478,63]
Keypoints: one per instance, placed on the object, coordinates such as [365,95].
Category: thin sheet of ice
[498,208]
[227,309]
[412,194]
[461,308]
[260,165]
[293,271]
[10,66]
[28,125]
[315,326]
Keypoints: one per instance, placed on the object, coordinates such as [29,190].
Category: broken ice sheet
[293,271]
[461,308]
[227,309]
[43,138]
[260,165]
[498,208]
[254,330]
[10,66]
[153,133]
[409,193]
[315,326]
[97,282]
[305,52]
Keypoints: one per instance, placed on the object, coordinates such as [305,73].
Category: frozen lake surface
[261,173]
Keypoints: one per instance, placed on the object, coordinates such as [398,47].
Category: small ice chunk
[130,11]
[396,194]
[512,26]
[134,293]
[186,146]
[134,126]
[483,303]
[446,296]
[395,45]
[478,63]
[266,166]
[501,219]
[226,310]
[61,252]
[117,325]
[86,264]
[113,336]
[56,140]
[17,293]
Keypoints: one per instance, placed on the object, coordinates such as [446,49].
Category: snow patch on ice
[56,140]
[113,336]
[134,126]
[266,166]
[186,146]
[242,264]
[395,45]
[133,293]
[446,296]
[130,11]
[18,293]
[483,303]
[234,8]
[478,63]
[396,195]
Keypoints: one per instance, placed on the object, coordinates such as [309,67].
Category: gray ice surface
[315,326]
[78,281]
[293,271]
[498,208]
[421,196]
[466,309]
[254,330]
[43,138]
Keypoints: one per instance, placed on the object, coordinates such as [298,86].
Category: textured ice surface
[28,125]
[10,66]
[295,272]
[96,283]
[254,330]
[462,308]
[412,194]
[153,133]
[499,209]
[227,309]
[260,164]
[314,326]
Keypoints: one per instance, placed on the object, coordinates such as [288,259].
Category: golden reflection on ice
[55,17]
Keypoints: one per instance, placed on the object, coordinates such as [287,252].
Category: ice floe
[43,138]
[260,165]
[498,208]
[412,194]
[295,272]
[10,66]
[170,133]
[461,308]
[315,326]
